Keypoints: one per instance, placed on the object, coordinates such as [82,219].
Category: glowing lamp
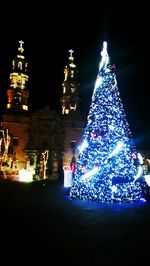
[66,111]
[25,176]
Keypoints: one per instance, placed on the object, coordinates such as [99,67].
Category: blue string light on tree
[108,167]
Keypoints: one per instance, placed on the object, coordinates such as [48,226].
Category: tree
[108,167]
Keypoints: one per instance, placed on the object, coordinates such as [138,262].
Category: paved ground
[41,224]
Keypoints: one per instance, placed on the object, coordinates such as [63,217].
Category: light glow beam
[98,82]
[139,173]
[105,57]
[116,150]
[87,176]
[83,146]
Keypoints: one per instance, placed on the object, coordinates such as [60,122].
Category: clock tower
[18,93]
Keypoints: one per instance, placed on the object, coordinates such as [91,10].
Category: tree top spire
[105,57]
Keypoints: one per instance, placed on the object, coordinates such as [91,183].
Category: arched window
[20,65]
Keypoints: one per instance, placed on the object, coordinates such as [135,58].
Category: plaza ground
[41,225]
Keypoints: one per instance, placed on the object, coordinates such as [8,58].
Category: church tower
[69,99]
[72,120]
[16,118]
[18,93]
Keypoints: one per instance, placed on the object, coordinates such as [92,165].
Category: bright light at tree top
[105,58]
[108,167]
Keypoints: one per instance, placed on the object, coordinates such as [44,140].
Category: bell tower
[18,93]
[72,121]
[69,99]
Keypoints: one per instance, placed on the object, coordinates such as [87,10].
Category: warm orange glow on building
[18,93]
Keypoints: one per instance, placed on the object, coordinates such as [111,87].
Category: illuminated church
[72,121]
[45,130]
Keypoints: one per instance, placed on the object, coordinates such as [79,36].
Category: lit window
[13,63]
[20,65]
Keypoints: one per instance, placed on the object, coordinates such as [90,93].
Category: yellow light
[25,107]
[8,106]
[66,111]
[148,160]
[20,56]
[72,65]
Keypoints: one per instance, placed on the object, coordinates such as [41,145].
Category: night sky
[49,32]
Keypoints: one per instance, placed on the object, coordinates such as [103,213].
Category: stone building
[43,132]
[16,118]
[73,123]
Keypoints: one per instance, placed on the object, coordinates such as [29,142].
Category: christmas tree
[108,167]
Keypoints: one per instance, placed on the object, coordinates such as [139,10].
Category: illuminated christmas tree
[108,167]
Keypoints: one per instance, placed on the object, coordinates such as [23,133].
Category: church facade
[42,142]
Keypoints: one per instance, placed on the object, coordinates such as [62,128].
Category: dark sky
[49,30]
